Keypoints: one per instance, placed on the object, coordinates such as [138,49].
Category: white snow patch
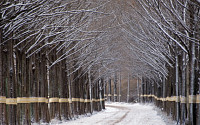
[121,114]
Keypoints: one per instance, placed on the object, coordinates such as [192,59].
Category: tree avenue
[59,59]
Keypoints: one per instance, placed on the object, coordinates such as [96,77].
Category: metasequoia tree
[177,26]
[65,51]
[43,55]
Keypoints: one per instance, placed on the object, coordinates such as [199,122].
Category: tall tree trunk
[198,76]
[109,90]
[115,87]
[194,11]
[142,89]
[183,95]
[70,93]
[177,85]
[164,92]
[138,90]
[120,86]
[11,93]
[105,90]
[90,92]
[100,92]
[3,113]
[64,91]
[128,88]
[192,91]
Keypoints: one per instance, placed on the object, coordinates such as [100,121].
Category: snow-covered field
[123,114]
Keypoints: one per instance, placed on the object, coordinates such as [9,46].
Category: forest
[58,58]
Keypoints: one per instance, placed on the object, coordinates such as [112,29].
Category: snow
[122,114]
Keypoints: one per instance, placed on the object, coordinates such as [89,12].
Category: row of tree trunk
[178,93]
[118,89]
[67,95]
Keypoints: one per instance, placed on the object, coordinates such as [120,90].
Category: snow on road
[121,114]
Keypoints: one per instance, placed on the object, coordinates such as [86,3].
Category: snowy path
[121,114]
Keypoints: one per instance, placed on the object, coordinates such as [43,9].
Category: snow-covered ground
[123,114]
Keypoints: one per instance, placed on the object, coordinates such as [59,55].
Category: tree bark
[3,113]
[109,90]
[183,105]
[138,90]
[177,85]
[120,87]
[115,87]
[128,88]
[90,92]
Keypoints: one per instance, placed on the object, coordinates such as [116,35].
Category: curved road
[122,114]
